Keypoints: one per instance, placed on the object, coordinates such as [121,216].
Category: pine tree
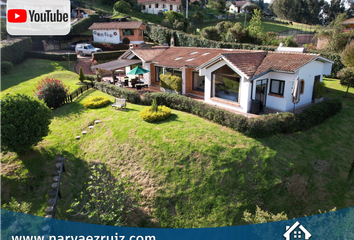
[81,75]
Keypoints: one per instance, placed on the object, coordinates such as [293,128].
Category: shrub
[261,216]
[81,75]
[109,48]
[290,41]
[52,91]
[347,55]
[15,206]
[149,115]
[24,122]
[96,102]
[126,40]
[111,55]
[319,89]
[14,51]
[211,33]
[118,92]
[82,25]
[90,77]
[6,67]
[346,76]
[51,56]
[171,82]
[108,201]
[122,7]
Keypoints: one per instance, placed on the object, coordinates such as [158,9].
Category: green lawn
[193,173]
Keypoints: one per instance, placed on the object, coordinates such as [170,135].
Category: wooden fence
[69,97]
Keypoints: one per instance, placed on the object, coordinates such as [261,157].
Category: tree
[122,7]
[218,4]
[337,39]
[24,122]
[255,26]
[81,75]
[238,33]
[198,16]
[332,9]
[346,76]
[223,28]
[52,91]
[251,8]
[304,11]
[177,20]
[211,33]
[347,56]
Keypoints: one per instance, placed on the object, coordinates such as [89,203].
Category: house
[156,6]
[238,6]
[348,24]
[298,231]
[114,32]
[232,78]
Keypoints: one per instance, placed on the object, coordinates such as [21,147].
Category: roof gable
[117,25]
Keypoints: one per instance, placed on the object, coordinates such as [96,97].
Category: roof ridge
[299,53]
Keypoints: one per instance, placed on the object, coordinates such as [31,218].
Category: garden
[185,171]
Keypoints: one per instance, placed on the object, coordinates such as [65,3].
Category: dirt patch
[8,169]
[297,188]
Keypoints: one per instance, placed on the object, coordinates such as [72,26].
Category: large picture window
[277,87]
[128,32]
[158,71]
[226,83]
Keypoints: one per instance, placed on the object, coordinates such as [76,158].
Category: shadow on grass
[172,118]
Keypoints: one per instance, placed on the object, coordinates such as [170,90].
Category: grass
[194,173]
[25,76]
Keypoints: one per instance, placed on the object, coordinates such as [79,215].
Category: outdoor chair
[119,102]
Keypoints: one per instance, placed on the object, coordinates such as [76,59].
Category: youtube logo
[17,15]
[38,17]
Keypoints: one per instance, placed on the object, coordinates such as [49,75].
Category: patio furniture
[120,102]
[126,82]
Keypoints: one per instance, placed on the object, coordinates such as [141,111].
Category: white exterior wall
[105,36]
[244,92]
[146,76]
[155,10]
[233,9]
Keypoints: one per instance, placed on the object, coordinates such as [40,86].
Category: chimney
[172,43]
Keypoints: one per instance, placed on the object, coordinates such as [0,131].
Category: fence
[76,93]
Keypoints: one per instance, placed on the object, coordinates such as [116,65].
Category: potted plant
[318,92]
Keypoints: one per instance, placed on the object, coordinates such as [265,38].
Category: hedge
[15,51]
[110,47]
[84,24]
[112,55]
[119,92]
[163,35]
[51,56]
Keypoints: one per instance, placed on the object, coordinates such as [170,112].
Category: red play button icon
[17,15]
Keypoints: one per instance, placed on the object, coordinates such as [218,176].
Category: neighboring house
[3,4]
[297,232]
[156,6]
[232,78]
[238,6]
[114,32]
[348,24]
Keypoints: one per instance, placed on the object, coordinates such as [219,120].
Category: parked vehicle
[86,49]
[73,44]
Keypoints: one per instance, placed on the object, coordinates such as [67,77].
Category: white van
[86,49]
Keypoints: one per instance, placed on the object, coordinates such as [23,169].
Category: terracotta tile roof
[116,25]
[248,62]
[284,61]
[240,3]
[147,54]
[159,1]
[178,57]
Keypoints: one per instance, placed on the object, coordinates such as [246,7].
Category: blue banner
[332,225]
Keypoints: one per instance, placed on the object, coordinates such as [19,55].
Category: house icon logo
[296,231]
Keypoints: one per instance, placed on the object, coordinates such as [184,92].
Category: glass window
[144,7]
[302,86]
[198,82]
[156,5]
[158,71]
[128,32]
[277,87]
[150,6]
[226,86]
[171,7]
[140,32]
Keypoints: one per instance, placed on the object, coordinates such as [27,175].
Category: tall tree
[304,11]
[332,9]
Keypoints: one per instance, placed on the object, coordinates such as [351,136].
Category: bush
[6,67]
[14,51]
[52,91]
[289,41]
[112,55]
[90,77]
[149,115]
[346,76]
[319,89]
[211,33]
[81,75]
[24,122]
[51,56]
[82,25]
[171,82]
[110,47]
[126,40]
[122,7]
[118,92]
[107,200]
[15,206]
[96,102]
[263,216]
[347,55]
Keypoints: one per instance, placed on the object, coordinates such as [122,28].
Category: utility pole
[187,9]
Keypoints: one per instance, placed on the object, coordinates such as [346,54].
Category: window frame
[156,5]
[213,87]
[171,7]
[302,89]
[150,6]
[128,30]
[144,7]
[277,93]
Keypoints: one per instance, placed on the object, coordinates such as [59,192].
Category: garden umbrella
[295,94]
[138,71]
